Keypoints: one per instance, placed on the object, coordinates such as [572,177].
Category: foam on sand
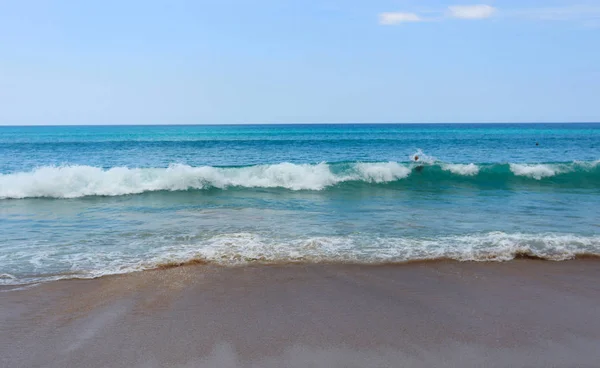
[237,249]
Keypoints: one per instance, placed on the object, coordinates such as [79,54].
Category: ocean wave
[237,249]
[244,248]
[73,181]
[462,169]
[538,171]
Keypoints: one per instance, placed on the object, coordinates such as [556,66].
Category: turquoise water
[88,201]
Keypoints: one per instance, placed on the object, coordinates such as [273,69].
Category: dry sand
[523,313]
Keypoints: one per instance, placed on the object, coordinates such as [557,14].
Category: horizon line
[296,124]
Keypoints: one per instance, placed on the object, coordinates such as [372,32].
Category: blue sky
[268,61]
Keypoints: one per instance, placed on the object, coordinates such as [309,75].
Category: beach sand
[524,313]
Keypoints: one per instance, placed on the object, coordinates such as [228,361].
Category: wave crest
[462,169]
[536,171]
[79,180]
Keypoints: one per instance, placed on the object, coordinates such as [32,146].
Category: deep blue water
[85,201]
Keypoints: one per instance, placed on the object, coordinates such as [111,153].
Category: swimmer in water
[420,167]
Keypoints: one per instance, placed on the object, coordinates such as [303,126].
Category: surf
[75,181]
[246,248]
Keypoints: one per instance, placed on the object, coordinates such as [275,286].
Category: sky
[280,61]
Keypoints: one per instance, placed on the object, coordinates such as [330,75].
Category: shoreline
[424,313]
[203,262]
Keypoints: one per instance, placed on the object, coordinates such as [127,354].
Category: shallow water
[87,201]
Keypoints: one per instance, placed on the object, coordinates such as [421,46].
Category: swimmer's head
[416,158]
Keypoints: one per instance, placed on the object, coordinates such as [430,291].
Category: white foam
[78,180]
[536,171]
[462,169]
[75,181]
[381,172]
[587,165]
[244,248]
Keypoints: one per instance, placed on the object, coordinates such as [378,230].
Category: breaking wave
[79,181]
[236,249]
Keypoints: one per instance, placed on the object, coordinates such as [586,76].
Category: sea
[87,201]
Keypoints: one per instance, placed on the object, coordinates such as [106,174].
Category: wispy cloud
[398,17]
[471,11]
[581,14]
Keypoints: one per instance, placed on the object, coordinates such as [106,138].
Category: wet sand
[523,313]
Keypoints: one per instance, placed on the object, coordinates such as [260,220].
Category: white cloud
[397,18]
[585,15]
[471,11]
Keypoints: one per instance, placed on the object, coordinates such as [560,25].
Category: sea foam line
[237,249]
